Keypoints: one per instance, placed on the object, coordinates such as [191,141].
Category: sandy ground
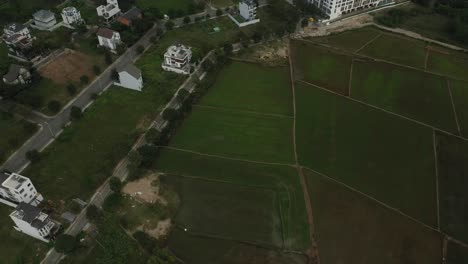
[144,191]
[69,66]
[161,230]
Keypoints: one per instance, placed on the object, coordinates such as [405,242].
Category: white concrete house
[17,74]
[32,221]
[336,8]
[71,16]
[18,38]
[44,20]
[15,189]
[248,9]
[177,59]
[109,11]
[130,77]
[109,38]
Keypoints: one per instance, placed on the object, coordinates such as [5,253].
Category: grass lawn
[237,135]
[415,94]
[283,179]
[452,154]
[222,3]
[321,66]
[397,49]
[448,62]
[456,254]
[351,40]
[228,211]
[188,247]
[352,229]
[165,5]
[369,150]
[13,133]
[460,99]
[252,87]
[17,247]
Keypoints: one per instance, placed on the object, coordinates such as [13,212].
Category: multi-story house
[32,221]
[44,20]
[17,74]
[336,8]
[130,77]
[18,39]
[71,16]
[109,38]
[177,59]
[109,11]
[15,189]
[248,9]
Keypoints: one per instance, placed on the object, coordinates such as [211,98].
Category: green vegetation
[321,66]
[266,89]
[351,40]
[412,93]
[355,230]
[13,133]
[452,154]
[222,3]
[460,99]
[237,135]
[369,150]
[448,62]
[456,254]
[173,8]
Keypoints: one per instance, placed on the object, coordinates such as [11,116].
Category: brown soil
[144,191]
[161,230]
[69,66]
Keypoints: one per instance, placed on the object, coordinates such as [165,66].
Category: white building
[248,9]
[130,77]
[177,59]
[18,39]
[71,16]
[109,38]
[336,8]
[109,11]
[15,189]
[44,20]
[33,222]
[17,74]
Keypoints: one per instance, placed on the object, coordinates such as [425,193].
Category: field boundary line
[368,43]
[384,110]
[227,158]
[350,80]
[436,163]
[453,106]
[372,199]
[241,111]
[313,252]
[426,59]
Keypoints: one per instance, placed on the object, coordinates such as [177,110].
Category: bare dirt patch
[145,190]
[68,67]
[272,54]
[161,230]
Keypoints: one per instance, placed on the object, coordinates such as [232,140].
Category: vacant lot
[321,66]
[351,40]
[415,94]
[460,98]
[264,89]
[352,229]
[453,182]
[68,67]
[13,133]
[369,150]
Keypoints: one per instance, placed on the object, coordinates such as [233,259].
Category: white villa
[15,189]
[177,59]
[248,9]
[130,77]
[71,16]
[336,8]
[18,38]
[33,222]
[44,20]
[17,74]
[109,38]
[109,11]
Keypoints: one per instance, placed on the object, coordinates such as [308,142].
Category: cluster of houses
[18,192]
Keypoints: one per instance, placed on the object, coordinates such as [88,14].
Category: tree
[182,94]
[108,57]
[115,184]
[96,70]
[153,135]
[71,88]
[170,114]
[93,213]
[54,106]
[187,20]
[75,113]
[227,49]
[219,12]
[169,25]
[140,49]
[65,243]
[84,79]
[33,155]
[148,153]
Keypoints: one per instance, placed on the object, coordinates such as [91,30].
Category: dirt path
[242,111]
[437,177]
[350,80]
[453,107]
[312,252]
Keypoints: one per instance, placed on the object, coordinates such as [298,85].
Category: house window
[21,191]
[29,184]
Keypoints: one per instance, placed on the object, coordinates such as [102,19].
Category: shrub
[33,156]
[96,70]
[140,49]
[169,25]
[187,20]
[93,213]
[170,114]
[84,79]
[115,184]
[54,106]
[65,243]
[75,113]
[153,136]
[71,88]
[108,57]
[219,12]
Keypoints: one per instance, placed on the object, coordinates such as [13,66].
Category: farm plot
[13,133]
[264,89]
[351,40]
[369,150]
[355,230]
[228,211]
[448,62]
[188,247]
[282,179]
[452,154]
[456,254]
[237,135]
[415,94]
[321,66]
[460,99]
[397,49]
